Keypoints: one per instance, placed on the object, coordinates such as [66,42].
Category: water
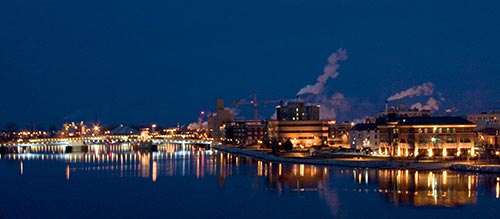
[180,181]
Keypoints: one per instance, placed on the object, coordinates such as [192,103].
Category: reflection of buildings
[296,177]
[120,160]
[418,188]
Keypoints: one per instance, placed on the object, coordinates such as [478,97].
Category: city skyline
[164,62]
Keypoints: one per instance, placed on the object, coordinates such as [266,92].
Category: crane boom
[255,104]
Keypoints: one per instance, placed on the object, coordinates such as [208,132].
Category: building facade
[338,134]
[427,136]
[245,132]
[364,135]
[297,111]
[305,133]
[298,123]
[485,119]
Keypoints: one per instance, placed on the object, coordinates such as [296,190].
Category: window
[451,140]
[465,140]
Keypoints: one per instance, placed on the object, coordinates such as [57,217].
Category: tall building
[302,133]
[217,121]
[297,111]
[298,123]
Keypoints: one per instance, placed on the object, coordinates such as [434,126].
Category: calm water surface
[180,181]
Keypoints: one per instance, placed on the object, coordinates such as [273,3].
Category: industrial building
[217,121]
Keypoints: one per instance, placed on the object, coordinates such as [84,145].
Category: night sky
[164,61]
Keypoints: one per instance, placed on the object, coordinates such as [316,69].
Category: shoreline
[357,163]
[354,163]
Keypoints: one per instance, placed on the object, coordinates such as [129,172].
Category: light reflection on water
[333,185]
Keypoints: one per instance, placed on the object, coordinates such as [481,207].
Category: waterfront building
[427,136]
[489,138]
[299,123]
[245,132]
[217,121]
[302,133]
[338,134]
[364,135]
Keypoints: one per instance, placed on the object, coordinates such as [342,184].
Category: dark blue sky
[164,61]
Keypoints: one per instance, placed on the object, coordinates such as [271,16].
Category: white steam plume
[198,125]
[426,89]
[329,107]
[329,71]
[431,104]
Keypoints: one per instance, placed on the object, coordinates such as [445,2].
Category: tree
[288,145]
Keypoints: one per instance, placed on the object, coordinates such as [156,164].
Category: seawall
[355,163]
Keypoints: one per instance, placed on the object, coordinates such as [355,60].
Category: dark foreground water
[184,182]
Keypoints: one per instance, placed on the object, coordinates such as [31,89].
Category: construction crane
[255,104]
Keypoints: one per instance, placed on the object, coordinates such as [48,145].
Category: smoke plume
[426,89]
[316,94]
[431,104]
[329,71]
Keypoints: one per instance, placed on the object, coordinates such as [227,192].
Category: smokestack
[387,107]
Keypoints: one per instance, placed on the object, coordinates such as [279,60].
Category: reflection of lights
[498,189]
[259,168]
[302,170]
[469,185]
[366,177]
[155,171]
[430,152]
[445,175]
[67,172]
[22,168]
